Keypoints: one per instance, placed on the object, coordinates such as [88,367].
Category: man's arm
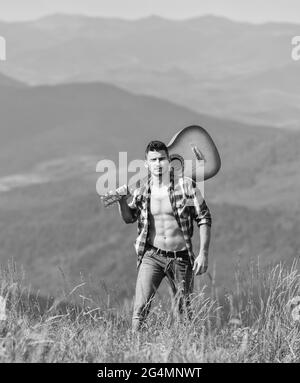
[204,221]
[127,213]
[201,262]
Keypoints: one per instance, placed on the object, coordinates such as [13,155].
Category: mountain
[46,123]
[6,81]
[52,222]
[210,64]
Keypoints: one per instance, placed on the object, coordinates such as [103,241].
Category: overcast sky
[244,10]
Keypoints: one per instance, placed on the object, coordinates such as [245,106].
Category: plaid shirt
[187,203]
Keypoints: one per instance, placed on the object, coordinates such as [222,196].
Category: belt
[169,254]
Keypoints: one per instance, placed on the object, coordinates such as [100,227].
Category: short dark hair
[156,146]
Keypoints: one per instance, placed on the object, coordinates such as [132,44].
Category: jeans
[153,268]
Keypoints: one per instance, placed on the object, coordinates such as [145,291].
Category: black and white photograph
[149,185]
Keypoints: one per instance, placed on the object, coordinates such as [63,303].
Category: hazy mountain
[213,65]
[68,121]
[51,216]
[6,81]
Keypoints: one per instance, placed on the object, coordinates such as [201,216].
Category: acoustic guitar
[193,154]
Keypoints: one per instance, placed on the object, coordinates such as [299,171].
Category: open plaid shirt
[187,203]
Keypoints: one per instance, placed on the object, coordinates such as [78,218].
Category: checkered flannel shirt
[187,203]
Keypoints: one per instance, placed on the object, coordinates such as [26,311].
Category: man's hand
[201,262]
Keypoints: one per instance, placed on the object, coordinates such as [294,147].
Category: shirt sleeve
[133,205]
[201,212]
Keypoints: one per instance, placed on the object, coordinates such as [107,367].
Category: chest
[160,202]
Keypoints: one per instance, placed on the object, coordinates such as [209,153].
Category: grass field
[257,322]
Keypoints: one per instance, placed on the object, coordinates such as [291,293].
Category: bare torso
[164,231]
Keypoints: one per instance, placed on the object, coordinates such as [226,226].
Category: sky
[256,11]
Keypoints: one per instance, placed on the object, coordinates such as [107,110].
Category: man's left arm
[203,220]
[201,261]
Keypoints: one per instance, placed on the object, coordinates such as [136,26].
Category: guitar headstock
[110,198]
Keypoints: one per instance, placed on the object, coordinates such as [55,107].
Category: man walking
[165,211]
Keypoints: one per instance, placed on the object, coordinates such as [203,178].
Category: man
[165,211]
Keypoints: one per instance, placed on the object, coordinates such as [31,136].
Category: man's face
[157,162]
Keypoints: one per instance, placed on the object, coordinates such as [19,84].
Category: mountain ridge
[215,58]
[207,16]
[99,119]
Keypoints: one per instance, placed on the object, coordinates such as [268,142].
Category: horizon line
[145,17]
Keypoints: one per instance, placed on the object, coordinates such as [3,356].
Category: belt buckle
[164,253]
[173,254]
[176,257]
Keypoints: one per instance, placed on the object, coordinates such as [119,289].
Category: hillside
[51,216]
[6,81]
[213,65]
[239,329]
[62,225]
[66,122]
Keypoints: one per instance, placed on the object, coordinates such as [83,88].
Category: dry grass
[257,322]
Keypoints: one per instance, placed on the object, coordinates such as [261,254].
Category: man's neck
[161,181]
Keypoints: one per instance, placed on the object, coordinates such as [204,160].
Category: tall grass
[257,322]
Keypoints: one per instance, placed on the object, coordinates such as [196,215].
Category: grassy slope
[257,323]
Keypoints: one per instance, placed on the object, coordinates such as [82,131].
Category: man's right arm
[127,213]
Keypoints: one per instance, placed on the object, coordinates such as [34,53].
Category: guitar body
[193,154]
[195,146]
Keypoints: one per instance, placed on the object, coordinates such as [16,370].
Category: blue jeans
[153,268]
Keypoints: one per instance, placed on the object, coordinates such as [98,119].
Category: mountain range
[215,66]
[52,137]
